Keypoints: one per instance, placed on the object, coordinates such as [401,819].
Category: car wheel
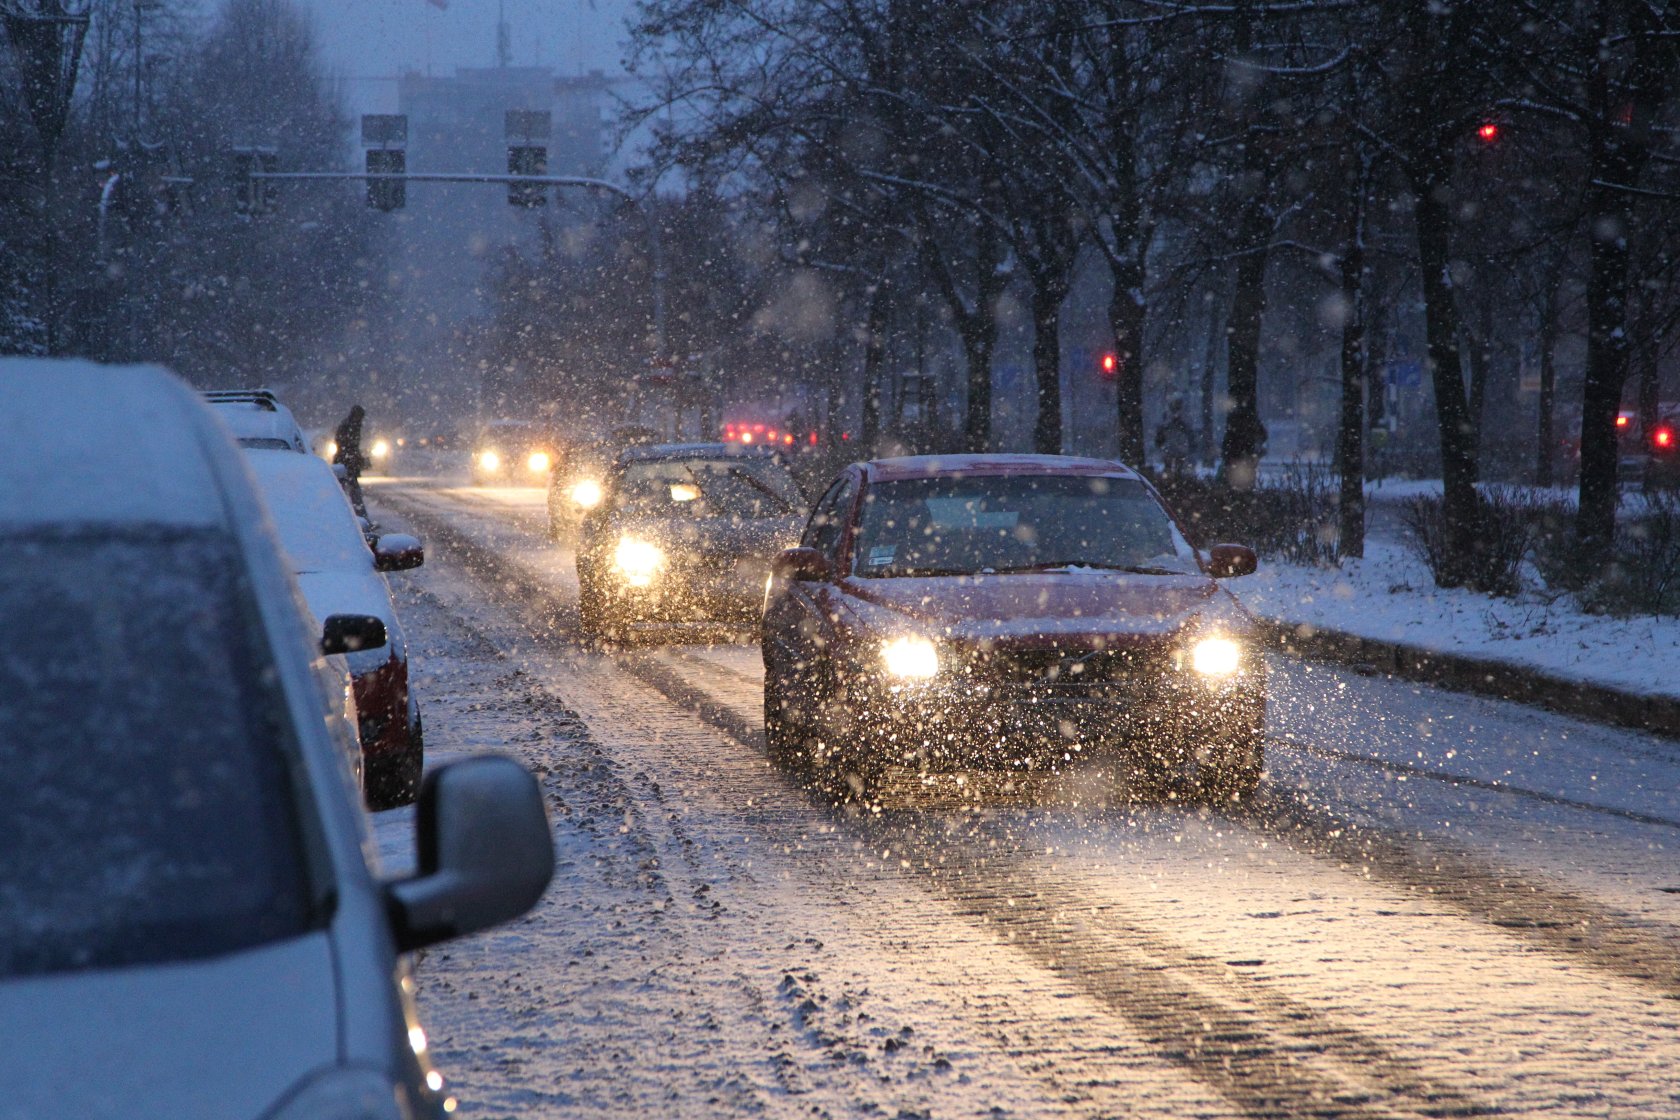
[395,782]
[1232,770]
[594,614]
[783,739]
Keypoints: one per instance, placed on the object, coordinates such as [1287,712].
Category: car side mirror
[806,564]
[349,633]
[398,552]
[1227,561]
[485,852]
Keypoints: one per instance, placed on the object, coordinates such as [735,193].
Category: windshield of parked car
[746,488]
[975,525]
[144,790]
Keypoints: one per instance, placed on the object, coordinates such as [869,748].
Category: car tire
[594,614]
[396,782]
[783,739]
[1235,771]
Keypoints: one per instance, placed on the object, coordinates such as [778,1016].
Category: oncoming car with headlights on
[1010,612]
[517,451]
[685,533]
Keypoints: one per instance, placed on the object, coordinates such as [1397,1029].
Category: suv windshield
[741,487]
[973,525]
[143,779]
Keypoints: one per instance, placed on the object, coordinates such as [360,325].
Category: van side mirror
[485,852]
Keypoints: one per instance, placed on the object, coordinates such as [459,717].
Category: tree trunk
[1245,435]
[1125,318]
[1458,468]
[1350,450]
[1209,360]
[874,357]
[1047,299]
[1546,437]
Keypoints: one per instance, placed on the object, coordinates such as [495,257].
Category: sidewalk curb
[1502,680]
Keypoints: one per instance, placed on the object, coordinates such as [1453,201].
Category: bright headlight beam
[489,460]
[587,493]
[1216,657]
[380,449]
[638,561]
[538,462]
[910,657]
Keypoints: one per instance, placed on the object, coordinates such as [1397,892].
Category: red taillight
[787,439]
[1622,420]
[813,439]
[1663,437]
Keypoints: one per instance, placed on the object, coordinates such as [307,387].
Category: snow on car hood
[217,1039]
[1028,605]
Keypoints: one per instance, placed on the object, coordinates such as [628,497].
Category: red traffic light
[1663,438]
[1109,366]
[1489,132]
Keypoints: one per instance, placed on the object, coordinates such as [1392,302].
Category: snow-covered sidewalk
[1389,597]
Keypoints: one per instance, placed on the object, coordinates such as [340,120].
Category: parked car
[1009,612]
[190,925]
[258,419]
[517,451]
[683,533]
[341,574]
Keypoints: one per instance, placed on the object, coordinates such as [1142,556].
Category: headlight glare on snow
[638,561]
[910,657]
[587,494]
[1216,657]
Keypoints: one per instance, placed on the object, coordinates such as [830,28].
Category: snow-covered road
[1441,905]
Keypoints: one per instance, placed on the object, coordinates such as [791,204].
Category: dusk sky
[370,40]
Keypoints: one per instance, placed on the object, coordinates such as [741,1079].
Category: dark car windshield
[743,487]
[972,525]
[144,790]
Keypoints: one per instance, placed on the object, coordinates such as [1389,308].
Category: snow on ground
[1390,596]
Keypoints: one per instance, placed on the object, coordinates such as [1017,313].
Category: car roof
[92,444]
[948,466]
[257,414]
[694,450]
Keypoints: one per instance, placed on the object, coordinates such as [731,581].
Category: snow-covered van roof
[932,466]
[84,443]
[258,419]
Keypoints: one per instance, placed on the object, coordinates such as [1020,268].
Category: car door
[797,624]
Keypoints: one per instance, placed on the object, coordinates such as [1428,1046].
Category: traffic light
[385,136]
[527,154]
[387,194]
[1108,366]
[1488,133]
[251,194]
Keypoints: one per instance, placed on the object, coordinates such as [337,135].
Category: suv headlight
[638,561]
[1216,657]
[910,657]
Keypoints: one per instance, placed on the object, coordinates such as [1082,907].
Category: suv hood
[1028,606]
[217,1039]
[762,537]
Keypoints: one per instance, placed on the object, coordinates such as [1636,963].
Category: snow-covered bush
[1506,528]
[1290,517]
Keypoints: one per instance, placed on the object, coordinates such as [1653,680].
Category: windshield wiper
[1052,565]
[761,487]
